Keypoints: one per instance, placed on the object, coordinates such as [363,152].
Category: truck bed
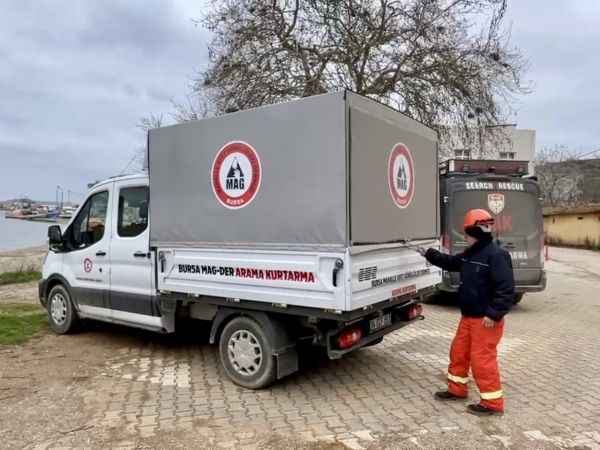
[367,275]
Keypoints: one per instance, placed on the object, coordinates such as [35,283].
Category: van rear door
[517,211]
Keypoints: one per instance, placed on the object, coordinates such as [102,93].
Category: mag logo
[236,174]
[401,175]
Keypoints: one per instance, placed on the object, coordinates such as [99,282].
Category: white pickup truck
[281,227]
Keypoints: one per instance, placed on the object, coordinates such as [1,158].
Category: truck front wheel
[61,313]
[246,354]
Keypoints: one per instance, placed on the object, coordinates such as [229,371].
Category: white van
[262,241]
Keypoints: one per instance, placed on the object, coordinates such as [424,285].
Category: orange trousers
[474,346]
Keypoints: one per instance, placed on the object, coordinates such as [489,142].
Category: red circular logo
[401,175]
[87,265]
[235,174]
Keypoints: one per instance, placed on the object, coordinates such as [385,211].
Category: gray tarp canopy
[324,177]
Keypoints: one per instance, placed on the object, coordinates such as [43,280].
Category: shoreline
[25,251]
[29,258]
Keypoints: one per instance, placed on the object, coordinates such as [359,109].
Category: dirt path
[19,293]
[45,389]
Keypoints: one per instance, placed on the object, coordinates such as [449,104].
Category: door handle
[336,268]
[141,255]
[101,253]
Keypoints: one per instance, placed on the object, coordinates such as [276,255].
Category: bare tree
[193,108]
[442,62]
[149,122]
[559,176]
[137,162]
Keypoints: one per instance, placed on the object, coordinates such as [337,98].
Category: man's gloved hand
[488,323]
[421,251]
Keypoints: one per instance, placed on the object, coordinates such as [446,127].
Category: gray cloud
[75,77]
[561,40]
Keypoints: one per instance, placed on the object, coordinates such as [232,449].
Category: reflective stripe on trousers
[475,347]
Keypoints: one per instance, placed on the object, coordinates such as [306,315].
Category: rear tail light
[414,311]
[349,337]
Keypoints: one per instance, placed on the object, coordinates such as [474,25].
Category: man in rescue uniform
[486,293]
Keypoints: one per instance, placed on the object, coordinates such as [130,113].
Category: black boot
[445,395]
[480,410]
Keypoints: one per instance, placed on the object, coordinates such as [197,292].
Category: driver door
[86,261]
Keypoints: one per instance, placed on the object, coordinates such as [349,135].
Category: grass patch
[19,322]
[21,276]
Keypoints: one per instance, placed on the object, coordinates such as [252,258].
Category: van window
[133,211]
[88,226]
[517,213]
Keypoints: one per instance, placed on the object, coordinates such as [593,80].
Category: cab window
[133,211]
[88,227]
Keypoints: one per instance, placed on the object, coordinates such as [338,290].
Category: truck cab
[513,199]
[103,258]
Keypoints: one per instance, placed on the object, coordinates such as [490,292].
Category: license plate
[380,322]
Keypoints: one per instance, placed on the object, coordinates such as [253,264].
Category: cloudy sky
[75,78]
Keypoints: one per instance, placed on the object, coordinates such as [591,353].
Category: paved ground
[114,387]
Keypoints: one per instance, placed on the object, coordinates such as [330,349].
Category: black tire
[375,342]
[62,316]
[519,297]
[242,369]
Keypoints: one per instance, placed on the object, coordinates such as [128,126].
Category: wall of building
[498,142]
[573,229]
[523,145]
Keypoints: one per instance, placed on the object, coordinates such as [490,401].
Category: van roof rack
[484,166]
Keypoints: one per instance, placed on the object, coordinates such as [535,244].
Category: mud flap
[287,362]
[284,346]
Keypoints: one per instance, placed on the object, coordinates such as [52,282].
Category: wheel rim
[58,309]
[245,352]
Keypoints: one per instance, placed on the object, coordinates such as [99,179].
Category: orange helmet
[480,218]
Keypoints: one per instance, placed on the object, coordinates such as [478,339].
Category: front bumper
[398,321]
[42,291]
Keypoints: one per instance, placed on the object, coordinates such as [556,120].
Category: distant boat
[67,212]
[22,214]
[53,214]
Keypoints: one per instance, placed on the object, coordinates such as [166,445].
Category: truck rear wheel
[246,354]
[62,316]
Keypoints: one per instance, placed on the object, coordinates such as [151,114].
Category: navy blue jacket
[487,286]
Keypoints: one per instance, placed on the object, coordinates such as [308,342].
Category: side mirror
[54,235]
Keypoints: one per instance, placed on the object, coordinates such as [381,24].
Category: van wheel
[62,316]
[519,297]
[246,354]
